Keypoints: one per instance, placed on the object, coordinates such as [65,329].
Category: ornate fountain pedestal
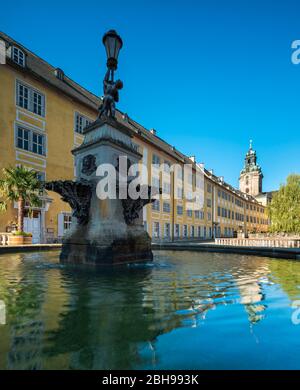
[132,245]
[105,231]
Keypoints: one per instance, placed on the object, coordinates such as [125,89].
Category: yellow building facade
[42,116]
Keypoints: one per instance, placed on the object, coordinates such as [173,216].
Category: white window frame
[177,230]
[166,188]
[84,122]
[154,208]
[155,159]
[67,221]
[155,182]
[23,140]
[167,166]
[185,231]
[38,103]
[156,229]
[61,223]
[38,141]
[166,207]
[192,231]
[24,95]
[37,108]
[179,207]
[189,213]
[167,230]
[18,56]
[179,192]
[30,139]
[180,173]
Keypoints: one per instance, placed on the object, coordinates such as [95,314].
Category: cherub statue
[111,95]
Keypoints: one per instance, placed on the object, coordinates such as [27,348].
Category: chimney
[211,171]
[125,117]
[153,131]
[221,179]
[193,158]
[201,165]
[2,52]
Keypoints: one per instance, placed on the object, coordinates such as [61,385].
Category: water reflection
[66,318]
[106,317]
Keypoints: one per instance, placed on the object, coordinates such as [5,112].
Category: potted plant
[20,238]
[20,185]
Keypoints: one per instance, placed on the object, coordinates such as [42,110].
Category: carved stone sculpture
[132,207]
[89,165]
[111,95]
[76,193]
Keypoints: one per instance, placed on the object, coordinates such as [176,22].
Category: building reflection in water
[61,317]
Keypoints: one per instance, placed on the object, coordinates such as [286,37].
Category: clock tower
[251,175]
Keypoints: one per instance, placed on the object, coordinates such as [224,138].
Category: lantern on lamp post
[113,44]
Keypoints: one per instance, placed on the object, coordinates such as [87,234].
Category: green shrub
[19,233]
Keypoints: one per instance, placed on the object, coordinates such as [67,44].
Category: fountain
[108,230]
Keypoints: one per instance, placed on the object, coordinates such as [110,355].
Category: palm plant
[20,185]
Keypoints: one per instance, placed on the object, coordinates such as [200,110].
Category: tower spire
[251,175]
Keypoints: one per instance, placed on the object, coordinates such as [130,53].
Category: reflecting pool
[183,311]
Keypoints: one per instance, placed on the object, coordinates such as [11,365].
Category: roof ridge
[9,38]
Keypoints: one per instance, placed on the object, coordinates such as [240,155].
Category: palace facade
[42,117]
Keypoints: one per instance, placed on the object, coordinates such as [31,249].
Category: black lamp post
[113,44]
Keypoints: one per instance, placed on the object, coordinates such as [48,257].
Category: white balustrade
[4,238]
[262,242]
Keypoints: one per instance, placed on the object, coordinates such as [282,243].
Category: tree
[20,185]
[284,209]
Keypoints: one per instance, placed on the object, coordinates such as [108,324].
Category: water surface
[183,311]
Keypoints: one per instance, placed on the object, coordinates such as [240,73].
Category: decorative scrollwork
[76,193]
[132,207]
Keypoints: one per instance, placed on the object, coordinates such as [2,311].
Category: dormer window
[59,73]
[18,56]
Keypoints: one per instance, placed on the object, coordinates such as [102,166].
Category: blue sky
[207,75]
